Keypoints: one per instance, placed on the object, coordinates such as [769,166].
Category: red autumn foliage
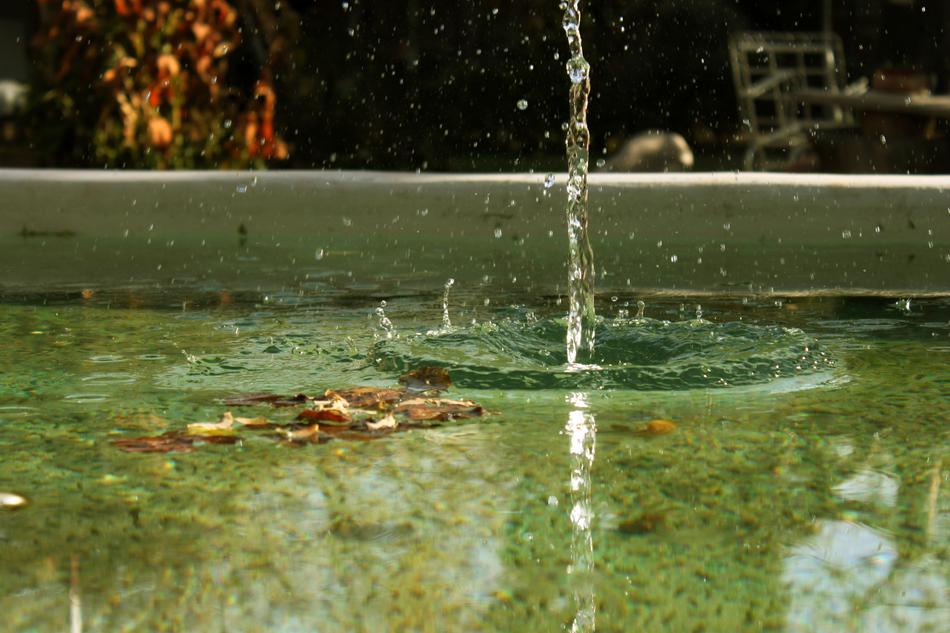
[150,83]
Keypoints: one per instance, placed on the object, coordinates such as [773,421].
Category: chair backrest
[768,67]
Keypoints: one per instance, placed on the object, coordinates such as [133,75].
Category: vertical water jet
[581,316]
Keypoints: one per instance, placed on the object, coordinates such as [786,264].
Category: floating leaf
[367,397]
[329,415]
[309,434]
[255,423]
[355,413]
[426,379]
[227,440]
[224,426]
[442,409]
[386,422]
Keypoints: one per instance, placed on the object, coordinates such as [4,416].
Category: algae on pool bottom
[815,504]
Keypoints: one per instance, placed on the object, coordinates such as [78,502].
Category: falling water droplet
[549,181]
[641,306]
[578,69]
[522,104]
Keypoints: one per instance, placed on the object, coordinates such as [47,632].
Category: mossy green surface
[817,504]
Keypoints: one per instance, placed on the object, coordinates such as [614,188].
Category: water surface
[811,497]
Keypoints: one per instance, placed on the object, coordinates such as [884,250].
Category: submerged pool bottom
[798,485]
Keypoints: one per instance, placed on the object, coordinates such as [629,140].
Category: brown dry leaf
[386,422]
[426,379]
[420,409]
[367,397]
[255,423]
[224,426]
[328,415]
[299,435]
[215,439]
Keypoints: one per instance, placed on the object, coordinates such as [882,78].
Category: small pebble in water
[655,428]
[10,501]
[644,524]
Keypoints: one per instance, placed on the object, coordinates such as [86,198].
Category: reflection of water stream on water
[581,428]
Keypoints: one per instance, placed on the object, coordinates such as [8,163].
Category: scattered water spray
[581,273]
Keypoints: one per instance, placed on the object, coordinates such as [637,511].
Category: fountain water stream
[581,317]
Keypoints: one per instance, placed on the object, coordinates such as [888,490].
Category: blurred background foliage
[400,84]
[139,83]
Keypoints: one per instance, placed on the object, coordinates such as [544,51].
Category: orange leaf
[331,415]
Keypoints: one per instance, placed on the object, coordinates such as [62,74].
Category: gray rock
[652,151]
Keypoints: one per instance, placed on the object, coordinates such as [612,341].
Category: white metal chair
[768,68]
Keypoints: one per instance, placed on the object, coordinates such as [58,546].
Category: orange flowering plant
[150,84]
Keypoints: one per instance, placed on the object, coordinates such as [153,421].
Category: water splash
[446,322]
[581,316]
[384,325]
[581,429]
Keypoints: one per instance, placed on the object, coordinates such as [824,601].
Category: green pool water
[804,487]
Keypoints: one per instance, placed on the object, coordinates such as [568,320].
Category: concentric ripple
[522,352]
